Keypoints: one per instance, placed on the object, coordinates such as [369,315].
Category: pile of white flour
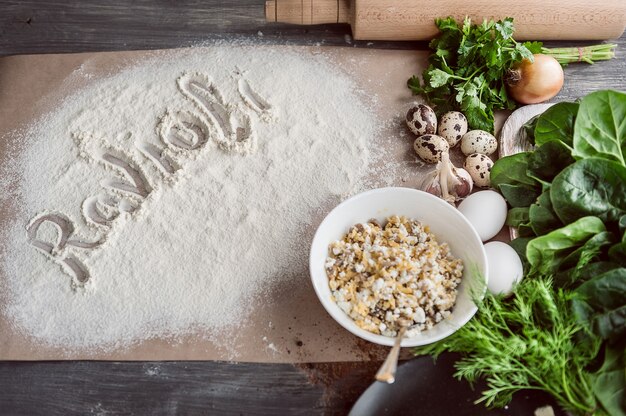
[252,142]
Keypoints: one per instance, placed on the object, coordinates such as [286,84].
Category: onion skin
[535,82]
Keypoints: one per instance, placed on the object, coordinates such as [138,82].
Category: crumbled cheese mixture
[381,275]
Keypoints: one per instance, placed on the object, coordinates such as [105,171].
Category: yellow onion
[535,82]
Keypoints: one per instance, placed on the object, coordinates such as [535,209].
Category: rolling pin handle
[270,11]
[307,12]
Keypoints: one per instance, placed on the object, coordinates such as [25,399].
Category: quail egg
[452,126]
[421,120]
[478,141]
[479,167]
[430,147]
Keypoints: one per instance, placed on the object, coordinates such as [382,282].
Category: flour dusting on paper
[169,198]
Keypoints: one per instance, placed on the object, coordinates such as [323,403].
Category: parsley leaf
[438,78]
[467,66]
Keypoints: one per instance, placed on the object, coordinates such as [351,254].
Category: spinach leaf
[511,170]
[600,304]
[509,176]
[542,217]
[617,253]
[524,230]
[609,382]
[574,277]
[549,160]
[589,251]
[519,195]
[622,224]
[600,127]
[519,245]
[556,123]
[546,253]
[529,128]
[590,187]
[517,216]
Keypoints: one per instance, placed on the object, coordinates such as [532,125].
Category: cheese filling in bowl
[386,276]
[441,253]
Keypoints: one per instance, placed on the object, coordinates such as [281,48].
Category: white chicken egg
[505,267]
[486,211]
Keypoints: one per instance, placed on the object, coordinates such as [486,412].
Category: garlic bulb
[447,181]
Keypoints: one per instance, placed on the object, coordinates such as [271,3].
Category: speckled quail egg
[478,141]
[479,167]
[421,120]
[452,126]
[430,147]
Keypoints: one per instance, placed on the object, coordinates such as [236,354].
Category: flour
[190,182]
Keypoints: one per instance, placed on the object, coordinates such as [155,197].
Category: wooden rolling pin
[413,19]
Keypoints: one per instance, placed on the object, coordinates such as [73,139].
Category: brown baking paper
[290,325]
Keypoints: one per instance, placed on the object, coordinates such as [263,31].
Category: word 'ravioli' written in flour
[227,124]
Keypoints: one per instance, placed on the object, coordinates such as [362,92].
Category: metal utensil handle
[387,371]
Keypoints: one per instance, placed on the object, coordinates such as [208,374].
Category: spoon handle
[387,371]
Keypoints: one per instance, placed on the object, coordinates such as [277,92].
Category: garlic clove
[430,183]
[465,183]
[447,181]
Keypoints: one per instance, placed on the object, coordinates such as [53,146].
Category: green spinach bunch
[568,201]
[467,68]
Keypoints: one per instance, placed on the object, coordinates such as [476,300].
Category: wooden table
[64,388]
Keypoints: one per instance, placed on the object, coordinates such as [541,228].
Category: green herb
[527,342]
[518,216]
[541,216]
[512,171]
[600,128]
[609,383]
[592,131]
[575,230]
[557,124]
[549,160]
[617,253]
[600,304]
[591,186]
[564,329]
[467,67]
[589,54]
[546,253]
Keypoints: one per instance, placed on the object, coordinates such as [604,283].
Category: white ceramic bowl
[446,223]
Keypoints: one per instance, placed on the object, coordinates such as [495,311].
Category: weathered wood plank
[31,26]
[200,388]
[35,26]
[180,388]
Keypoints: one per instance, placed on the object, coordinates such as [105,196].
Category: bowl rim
[382,339]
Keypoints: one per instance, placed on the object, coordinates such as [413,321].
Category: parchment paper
[290,327]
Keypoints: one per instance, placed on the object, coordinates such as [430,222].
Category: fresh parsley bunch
[467,68]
